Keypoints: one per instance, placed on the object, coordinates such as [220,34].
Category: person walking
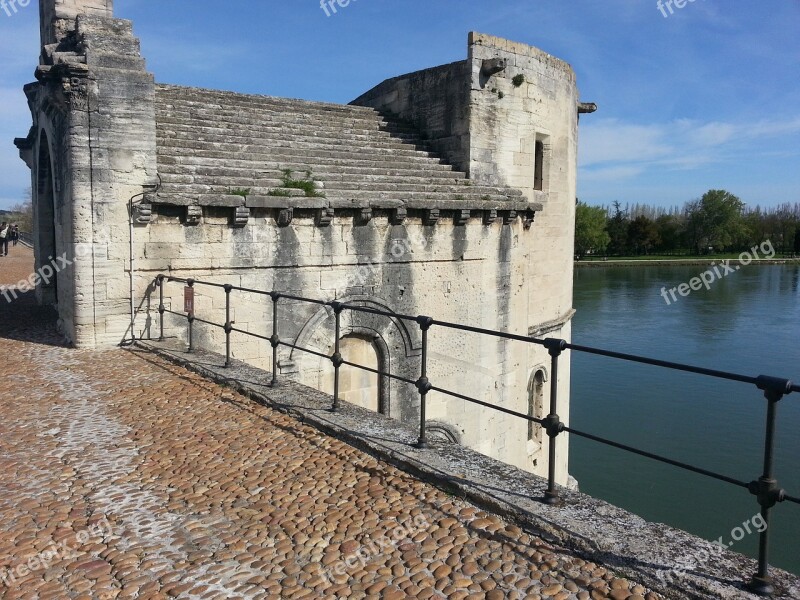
[14,234]
[4,231]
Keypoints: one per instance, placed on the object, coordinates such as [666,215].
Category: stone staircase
[212,142]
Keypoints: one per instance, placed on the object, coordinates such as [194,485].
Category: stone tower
[91,147]
[449,192]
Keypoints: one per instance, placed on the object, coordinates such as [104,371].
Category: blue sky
[703,98]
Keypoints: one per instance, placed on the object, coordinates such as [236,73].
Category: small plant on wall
[518,80]
[243,192]
[288,182]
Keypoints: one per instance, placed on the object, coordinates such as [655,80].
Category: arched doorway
[378,342]
[45,221]
[358,386]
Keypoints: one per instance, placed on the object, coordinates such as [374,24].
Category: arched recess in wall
[443,432]
[44,201]
[536,409]
[397,346]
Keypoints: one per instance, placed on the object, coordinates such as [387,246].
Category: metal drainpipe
[149,188]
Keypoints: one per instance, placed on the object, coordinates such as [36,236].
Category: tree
[642,235]
[617,228]
[714,221]
[22,214]
[590,229]
[670,229]
[786,219]
[797,241]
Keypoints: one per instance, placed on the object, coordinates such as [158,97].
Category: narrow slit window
[536,405]
[538,169]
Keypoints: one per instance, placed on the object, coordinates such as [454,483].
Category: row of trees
[717,222]
[21,214]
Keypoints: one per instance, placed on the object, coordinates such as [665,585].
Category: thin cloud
[612,146]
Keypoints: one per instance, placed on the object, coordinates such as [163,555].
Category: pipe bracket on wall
[142,213]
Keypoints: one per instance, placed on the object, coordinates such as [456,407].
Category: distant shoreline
[676,262]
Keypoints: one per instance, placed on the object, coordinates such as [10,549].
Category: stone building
[448,192]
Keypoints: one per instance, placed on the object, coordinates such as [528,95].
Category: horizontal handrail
[765,488]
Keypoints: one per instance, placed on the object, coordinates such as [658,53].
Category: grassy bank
[667,260]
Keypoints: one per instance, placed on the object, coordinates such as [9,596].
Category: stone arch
[536,408]
[440,431]
[44,215]
[397,344]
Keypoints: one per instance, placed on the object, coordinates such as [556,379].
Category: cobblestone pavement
[124,476]
[18,265]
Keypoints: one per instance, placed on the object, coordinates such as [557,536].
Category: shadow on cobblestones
[24,320]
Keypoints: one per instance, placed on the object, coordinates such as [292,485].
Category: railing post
[766,487]
[274,340]
[336,359]
[228,325]
[423,385]
[552,422]
[161,308]
[190,317]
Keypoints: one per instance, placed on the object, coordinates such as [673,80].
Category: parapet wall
[436,101]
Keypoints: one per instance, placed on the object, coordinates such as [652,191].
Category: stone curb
[670,562]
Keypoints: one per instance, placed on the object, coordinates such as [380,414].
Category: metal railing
[774,389]
[26,239]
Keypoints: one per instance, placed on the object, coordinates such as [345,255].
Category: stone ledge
[300,202]
[622,542]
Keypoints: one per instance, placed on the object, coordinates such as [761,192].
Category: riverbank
[670,262]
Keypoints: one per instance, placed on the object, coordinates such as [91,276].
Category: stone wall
[396,229]
[456,273]
[512,97]
[437,101]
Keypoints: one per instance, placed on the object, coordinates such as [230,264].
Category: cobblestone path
[15,267]
[122,476]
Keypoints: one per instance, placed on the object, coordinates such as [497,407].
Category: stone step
[212,141]
[330,126]
[299,141]
[403,186]
[245,169]
[183,96]
[241,117]
[276,128]
[215,158]
[327,186]
[195,190]
[243,120]
[288,111]
[196,148]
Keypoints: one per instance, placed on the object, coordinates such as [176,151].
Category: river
[748,322]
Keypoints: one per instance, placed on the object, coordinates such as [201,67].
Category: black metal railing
[774,389]
[26,239]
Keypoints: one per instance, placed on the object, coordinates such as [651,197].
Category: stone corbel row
[324,216]
[397,216]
